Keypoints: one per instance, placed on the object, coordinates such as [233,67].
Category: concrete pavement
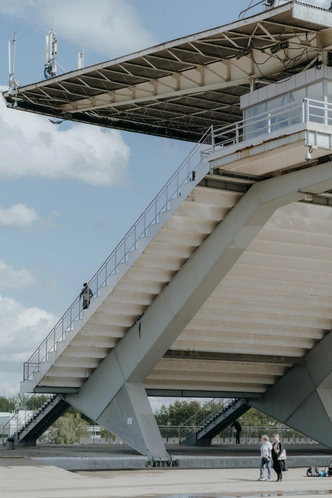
[41,481]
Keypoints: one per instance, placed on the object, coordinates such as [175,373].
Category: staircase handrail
[171,190]
[21,417]
[197,420]
[202,411]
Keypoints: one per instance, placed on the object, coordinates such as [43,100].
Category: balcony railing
[274,121]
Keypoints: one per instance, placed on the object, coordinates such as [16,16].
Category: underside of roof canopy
[180,88]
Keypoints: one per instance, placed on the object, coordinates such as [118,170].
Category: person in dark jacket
[278,463]
[238,428]
[86,294]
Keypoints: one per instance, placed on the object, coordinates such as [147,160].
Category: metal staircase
[213,417]
[33,418]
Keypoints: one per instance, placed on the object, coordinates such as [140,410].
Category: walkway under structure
[223,286]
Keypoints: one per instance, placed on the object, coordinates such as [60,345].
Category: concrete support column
[302,398]
[129,416]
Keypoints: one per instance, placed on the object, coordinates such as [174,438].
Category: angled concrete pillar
[130,417]
[148,340]
[302,398]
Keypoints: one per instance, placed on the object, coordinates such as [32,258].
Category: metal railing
[24,414]
[249,435]
[216,406]
[161,203]
[273,121]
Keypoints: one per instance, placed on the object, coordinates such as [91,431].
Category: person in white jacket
[266,457]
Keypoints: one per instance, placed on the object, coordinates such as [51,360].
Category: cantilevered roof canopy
[180,88]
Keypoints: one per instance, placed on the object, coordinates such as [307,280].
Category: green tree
[7,404]
[74,411]
[177,413]
[255,418]
[67,429]
[105,434]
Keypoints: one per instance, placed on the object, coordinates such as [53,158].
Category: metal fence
[249,435]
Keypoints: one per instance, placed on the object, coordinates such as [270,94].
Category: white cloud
[32,146]
[8,390]
[19,215]
[110,27]
[22,330]
[15,279]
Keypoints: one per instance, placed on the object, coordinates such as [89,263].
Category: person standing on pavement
[266,457]
[238,429]
[277,450]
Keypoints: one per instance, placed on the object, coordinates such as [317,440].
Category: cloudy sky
[69,194]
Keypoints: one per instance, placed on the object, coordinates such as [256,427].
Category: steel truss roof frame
[180,88]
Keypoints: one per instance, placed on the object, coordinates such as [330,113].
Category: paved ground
[24,474]
[40,481]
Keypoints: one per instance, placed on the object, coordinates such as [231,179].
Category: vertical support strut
[130,417]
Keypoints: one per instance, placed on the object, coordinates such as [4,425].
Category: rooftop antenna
[80,59]
[13,82]
[51,65]
[250,6]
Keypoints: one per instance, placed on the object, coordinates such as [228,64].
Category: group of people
[272,453]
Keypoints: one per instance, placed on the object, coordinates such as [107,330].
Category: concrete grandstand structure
[223,286]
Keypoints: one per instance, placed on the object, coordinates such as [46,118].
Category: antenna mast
[51,48]
[80,59]
[13,82]
[51,66]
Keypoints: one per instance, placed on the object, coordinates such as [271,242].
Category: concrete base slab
[117,457]
[50,482]
[95,463]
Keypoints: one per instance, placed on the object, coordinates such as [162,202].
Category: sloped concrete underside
[272,307]
[268,311]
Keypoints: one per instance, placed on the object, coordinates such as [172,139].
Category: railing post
[237,134]
[308,111]
[212,138]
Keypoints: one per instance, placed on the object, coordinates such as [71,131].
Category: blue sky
[64,206]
